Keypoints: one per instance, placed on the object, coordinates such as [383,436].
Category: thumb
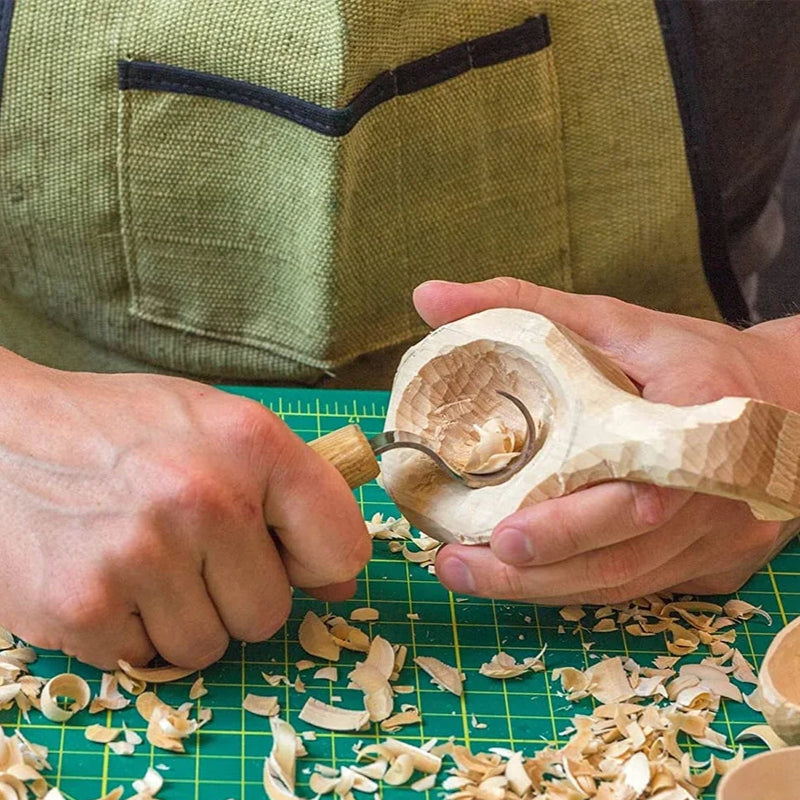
[620,330]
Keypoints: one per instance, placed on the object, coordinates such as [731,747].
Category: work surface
[225,759]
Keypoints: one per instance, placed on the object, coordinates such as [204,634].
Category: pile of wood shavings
[628,748]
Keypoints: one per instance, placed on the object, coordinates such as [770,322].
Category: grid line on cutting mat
[224,760]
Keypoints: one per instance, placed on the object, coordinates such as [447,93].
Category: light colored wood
[593,427]
[779,684]
[767,776]
[350,452]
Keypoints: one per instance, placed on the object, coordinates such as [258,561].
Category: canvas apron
[241,189]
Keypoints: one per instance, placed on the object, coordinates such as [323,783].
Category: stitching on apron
[525,39]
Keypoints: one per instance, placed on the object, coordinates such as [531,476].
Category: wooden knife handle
[350,452]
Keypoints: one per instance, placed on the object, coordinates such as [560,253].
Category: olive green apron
[241,189]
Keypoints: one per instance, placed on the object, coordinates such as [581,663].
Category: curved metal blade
[391,440]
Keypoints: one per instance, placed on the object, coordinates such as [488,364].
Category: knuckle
[248,423]
[355,555]
[512,290]
[614,567]
[197,492]
[205,652]
[142,547]
[611,594]
[85,608]
[267,624]
[510,584]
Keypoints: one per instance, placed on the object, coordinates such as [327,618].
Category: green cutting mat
[224,760]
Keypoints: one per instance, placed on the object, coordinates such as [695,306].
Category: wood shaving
[122,748]
[64,685]
[389,749]
[346,635]
[496,446]
[742,610]
[261,705]
[327,674]
[390,528]
[424,784]
[165,674]
[765,734]
[148,786]
[131,685]
[331,718]
[109,698]
[198,689]
[400,771]
[365,615]
[275,680]
[316,639]
[101,734]
[443,675]
[280,764]
[409,715]
[304,664]
[572,613]
[166,726]
[503,666]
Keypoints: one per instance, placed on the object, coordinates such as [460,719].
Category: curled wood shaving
[109,698]
[346,635]
[409,715]
[443,675]
[331,718]
[742,610]
[280,764]
[261,705]
[304,664]
[122,748]
[131,685]
[389,749]
[496,447]
[765,734]
[148,786]
[166,726]
[198,689]
[390,528]
[64,685]
[503,665]
[316,639]
[327,674]
[401,770]
[155,674]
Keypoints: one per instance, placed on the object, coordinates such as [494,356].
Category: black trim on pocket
[6,12]
[530,37]
[680,46]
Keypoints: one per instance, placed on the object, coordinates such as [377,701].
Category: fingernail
[513,546]
[458,576]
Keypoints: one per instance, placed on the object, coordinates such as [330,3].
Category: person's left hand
[619,540]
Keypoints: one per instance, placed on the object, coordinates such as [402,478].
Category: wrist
[774,351]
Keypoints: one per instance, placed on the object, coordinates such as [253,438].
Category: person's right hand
[134,514]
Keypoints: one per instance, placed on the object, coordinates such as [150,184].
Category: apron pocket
[253,217]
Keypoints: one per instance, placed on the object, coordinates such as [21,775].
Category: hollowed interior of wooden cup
[768,776]
[458,390]
[784,667]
